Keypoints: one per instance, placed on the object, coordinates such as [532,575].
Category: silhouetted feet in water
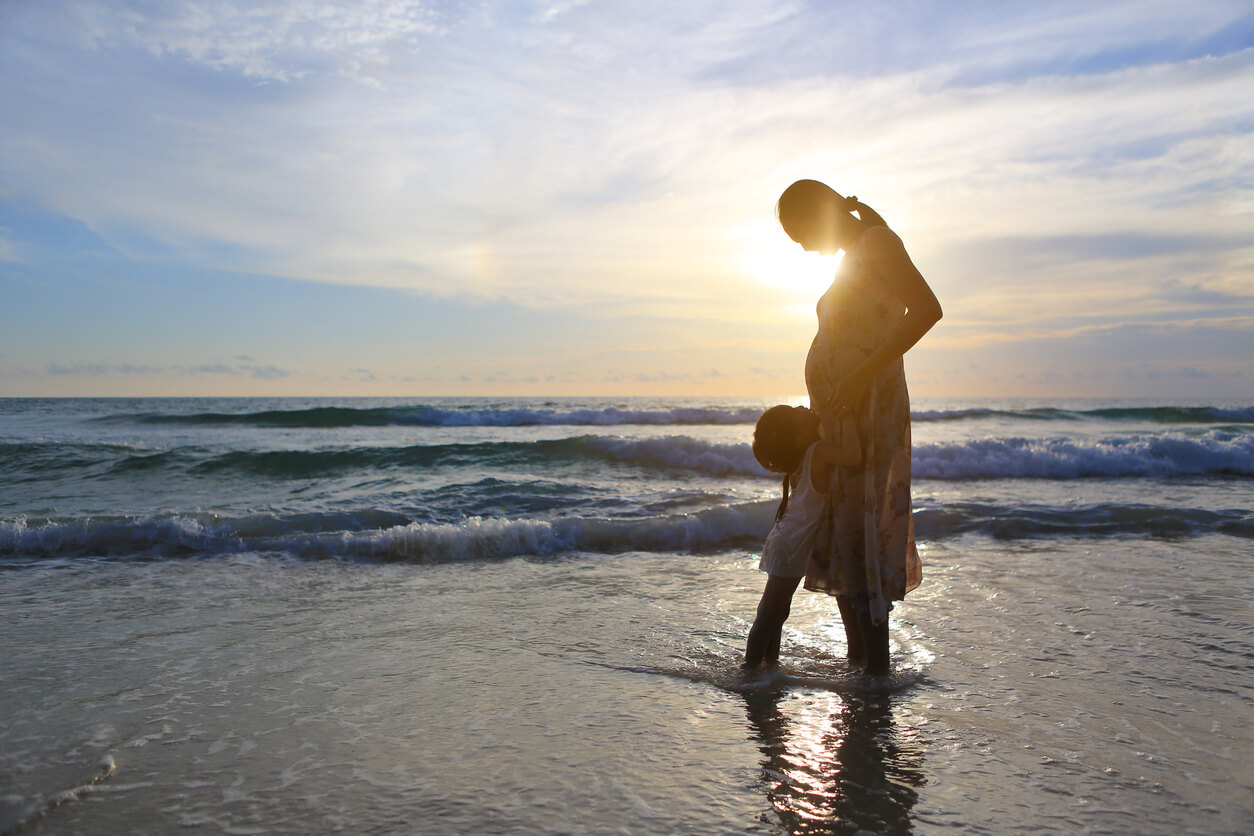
[859,664]
[759,666]
[866,640]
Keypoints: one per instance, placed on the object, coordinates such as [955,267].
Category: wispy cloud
[266,41]
[104,370]
[8,251]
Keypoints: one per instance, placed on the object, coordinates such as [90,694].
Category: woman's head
[782,435]
[819,218]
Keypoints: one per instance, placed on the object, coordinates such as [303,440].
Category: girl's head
[818,218]
[780,440]
[782,435]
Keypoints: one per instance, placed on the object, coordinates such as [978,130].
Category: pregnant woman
[877,307]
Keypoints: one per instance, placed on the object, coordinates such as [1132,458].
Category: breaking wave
[388,536]
[1216,452]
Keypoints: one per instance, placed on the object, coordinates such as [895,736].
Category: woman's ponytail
[868,215]
[802,202]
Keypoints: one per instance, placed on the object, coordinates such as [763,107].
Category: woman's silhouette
[877,307]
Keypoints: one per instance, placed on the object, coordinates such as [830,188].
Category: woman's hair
[800,202]
[777,448]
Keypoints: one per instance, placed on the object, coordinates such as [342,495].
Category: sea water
[526,615]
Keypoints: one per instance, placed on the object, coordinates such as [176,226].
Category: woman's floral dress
[866,549]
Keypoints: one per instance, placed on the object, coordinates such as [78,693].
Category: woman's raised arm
[888,257]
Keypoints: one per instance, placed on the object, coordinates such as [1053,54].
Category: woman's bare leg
[855,641]
[876,638]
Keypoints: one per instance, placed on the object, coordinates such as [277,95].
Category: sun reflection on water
[836,762]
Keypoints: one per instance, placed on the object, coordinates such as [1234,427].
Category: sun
[769,257]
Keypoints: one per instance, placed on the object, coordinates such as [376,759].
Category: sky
[549,198]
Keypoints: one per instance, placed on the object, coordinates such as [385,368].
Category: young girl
[786,440]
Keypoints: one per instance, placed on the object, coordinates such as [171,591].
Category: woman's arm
[889,258]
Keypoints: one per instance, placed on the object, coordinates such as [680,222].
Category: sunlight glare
[769,257]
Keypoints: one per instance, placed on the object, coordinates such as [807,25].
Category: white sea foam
[340,415]
[160,536]
[481,538]
[611,416]
[475,539]
[1216,452]
[105,769]
[683,453]
[1172,454]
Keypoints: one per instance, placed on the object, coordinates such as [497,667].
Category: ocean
[525,615]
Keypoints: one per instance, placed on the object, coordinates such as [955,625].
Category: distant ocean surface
[525,614]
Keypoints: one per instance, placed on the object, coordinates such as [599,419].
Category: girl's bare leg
[762,647]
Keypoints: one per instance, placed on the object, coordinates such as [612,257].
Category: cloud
[265,372]
[1055,169]
[59,369]
[101,370]
[266,41]
[216,368]
[8,250]
[452,181]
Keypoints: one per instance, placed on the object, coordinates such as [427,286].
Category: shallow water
[1074,685]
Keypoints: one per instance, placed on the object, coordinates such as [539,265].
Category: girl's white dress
[788,546]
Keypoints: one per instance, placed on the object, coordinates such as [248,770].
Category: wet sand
[1094,686]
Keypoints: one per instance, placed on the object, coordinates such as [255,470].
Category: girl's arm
[830,454]
[850,451]
[889,258]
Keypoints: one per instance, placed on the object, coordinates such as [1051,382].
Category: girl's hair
[800,202]
[776,447]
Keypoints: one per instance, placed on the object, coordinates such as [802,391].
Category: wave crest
[385,536]
[1216,453]
[431,416]
[475,538]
